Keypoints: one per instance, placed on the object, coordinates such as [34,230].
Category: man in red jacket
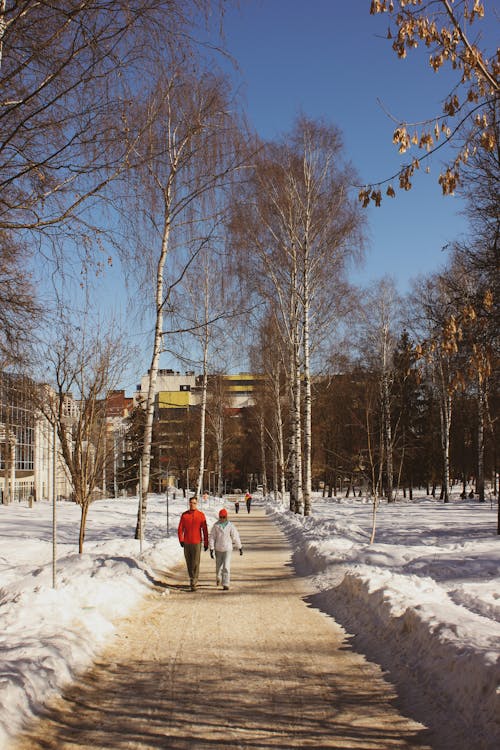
[192,531]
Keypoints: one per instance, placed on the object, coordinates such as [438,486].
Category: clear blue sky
[331,59]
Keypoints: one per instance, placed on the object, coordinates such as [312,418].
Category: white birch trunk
[445,419]
[307,393]
[387,436]
[152,378]
[220,450]
[297,427]
[480,437]
[281,450]
[292,447]
[263,452]
[280,479]
[373,478]
[296,437]
[275,471]
[203,406]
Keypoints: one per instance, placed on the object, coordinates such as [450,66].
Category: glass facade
[17,436]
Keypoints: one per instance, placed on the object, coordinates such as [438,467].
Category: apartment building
[176,426]
[175,390]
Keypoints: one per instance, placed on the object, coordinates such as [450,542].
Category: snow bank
[443,657]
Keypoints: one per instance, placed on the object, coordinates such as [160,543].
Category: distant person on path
[223,536]
[237,506]
[192,531]
[248,500]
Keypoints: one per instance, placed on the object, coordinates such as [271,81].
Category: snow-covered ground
[423,600]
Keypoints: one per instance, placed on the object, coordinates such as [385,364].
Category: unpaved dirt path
[253,667]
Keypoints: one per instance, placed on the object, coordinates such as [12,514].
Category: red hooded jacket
[192,526]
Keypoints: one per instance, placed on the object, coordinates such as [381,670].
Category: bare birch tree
[187,155]
[199,296]
[378,331]
[269,356]
[209,310]
[438,349]
[218,405]
[302,227]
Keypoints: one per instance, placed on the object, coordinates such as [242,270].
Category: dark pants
[249,502]
[236,507]
[192,554]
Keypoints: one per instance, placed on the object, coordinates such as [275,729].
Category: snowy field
[423,601]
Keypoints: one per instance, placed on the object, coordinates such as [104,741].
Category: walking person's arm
[204,533]
[235,537]
[211,539]
[180,532]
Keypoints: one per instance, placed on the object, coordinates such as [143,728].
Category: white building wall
[49,463]
[167,380]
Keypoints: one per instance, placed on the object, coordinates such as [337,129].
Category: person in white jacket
[223,536]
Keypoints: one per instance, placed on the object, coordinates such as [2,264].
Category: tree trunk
[279,438]
[83,523]
[203,407]
[445,414]
[374,518]
[297,436]
[152,378]
[275,471]
[292,457]
[220,450]
[306,348]
[386,407]
[480,438]
[263,452]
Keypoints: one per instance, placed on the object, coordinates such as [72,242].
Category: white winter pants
[223,566]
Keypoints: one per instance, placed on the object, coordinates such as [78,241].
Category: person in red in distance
[248,501]
[192,532]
